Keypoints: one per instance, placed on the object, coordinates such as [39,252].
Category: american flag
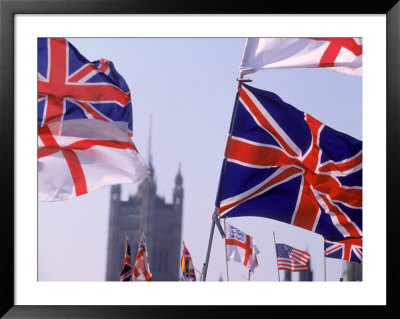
[286,165]
[126,273]
[291,259]
[187,265]
[347,249]
[142,267]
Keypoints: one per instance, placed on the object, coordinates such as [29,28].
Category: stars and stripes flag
[241,247]
[142,267]
[348,249]
[343,55]
[286,165]
[291,259]
[84,124]
[126,272]
[187,265]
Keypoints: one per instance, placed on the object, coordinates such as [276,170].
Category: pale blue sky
[189,86]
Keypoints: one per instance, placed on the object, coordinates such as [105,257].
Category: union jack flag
[187,265]
[71,87]
[347,249]
[291,259]
[286,165]
[126,272]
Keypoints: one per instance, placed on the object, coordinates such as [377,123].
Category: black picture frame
[8,10]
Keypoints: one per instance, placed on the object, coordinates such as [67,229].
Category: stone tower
[288,276]
[161,223]
[307,275]
[353,271]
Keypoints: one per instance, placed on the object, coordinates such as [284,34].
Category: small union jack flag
[187,265]
[347,249]
[126,273]
[71,87]
[286,165]
[291,259]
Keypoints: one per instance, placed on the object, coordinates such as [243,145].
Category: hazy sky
[189,86]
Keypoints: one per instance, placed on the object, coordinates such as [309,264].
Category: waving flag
[347,249]
[339,54]
[126,273]
[286,165]
[75,158]
[84,124]
[71,87]
[291,259]
[187,265]
[142,267]
[241,247]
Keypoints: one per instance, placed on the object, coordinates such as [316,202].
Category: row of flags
[240,247]
[280,163]
[141,270]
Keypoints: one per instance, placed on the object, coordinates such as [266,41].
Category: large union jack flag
[347,249]
[70,87]
[286,165]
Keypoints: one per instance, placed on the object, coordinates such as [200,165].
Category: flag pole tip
[244,80]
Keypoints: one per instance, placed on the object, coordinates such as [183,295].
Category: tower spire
[150,160]
[150,136]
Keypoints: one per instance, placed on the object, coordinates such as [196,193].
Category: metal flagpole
[184,262]
[144,257]
[205,265]
[249,273]
[279,278]
[215,219]
[226,254]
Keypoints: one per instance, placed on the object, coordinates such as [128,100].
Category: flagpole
[183,279]
[144,257]
[226,253]
[215,219]
[249,273]
[324,265]
[205,265]
[279,278]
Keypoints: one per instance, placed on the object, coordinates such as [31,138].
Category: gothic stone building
[161,223]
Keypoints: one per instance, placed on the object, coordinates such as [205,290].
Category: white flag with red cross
[75,158]
[343,55]
[241,247]
[142,266]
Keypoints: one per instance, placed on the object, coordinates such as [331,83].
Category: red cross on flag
[241,247]
[79,156]
[343,55]
[141,271]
